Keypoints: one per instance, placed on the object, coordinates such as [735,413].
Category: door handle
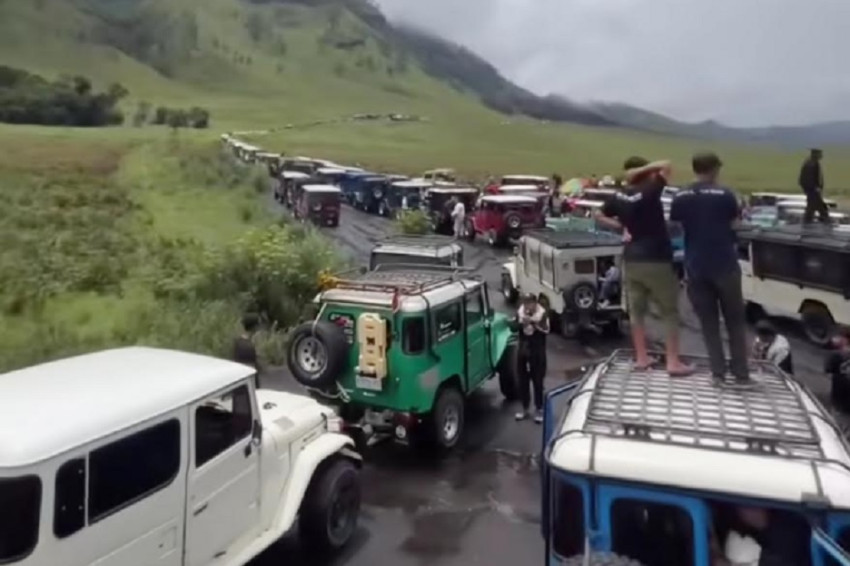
[201,509]
[248,449]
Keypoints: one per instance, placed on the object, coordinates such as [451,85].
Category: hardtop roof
[432,242]
[439,189]
[54,407]
[772,440]
[509,199]
[813,236]
[287,174]
[321,189]
[518,187]
[527,177]
[564,239]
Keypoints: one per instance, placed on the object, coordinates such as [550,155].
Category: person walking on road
[708,214]
[534,322]
[811,181]
[772,347]
[458,218]
[648,258]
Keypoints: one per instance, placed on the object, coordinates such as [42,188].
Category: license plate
[368,383]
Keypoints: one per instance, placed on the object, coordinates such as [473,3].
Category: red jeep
[319,204]
[503,217]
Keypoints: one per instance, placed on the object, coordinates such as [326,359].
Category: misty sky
[744,62]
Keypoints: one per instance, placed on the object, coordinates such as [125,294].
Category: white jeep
[142,457]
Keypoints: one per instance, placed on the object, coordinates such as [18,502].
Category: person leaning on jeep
[647,257]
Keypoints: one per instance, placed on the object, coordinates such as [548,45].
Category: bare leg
[639,342]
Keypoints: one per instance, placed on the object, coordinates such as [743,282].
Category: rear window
[20,502]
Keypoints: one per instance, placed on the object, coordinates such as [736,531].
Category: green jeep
[399,348]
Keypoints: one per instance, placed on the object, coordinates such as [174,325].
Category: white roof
[267,154]
[526,178]
[694,434]
[588,203]
[330,170]
[439,189]
[784,196]
[321,189]
[798,203]
[293,175]
[413,184]
[520,188]
[50,408]
[509,199]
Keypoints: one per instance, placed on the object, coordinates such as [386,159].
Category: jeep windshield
[20,501]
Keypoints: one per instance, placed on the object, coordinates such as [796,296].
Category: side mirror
[257,433]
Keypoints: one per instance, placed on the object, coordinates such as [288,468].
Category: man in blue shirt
[708,213]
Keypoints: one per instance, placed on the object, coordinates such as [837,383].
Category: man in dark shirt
[837,366]
[811,181]
[244,351]
[708,213]
[648,257]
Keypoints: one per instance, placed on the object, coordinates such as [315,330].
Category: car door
[477,337]
[223,509]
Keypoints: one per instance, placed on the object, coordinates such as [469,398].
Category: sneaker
[538,417]
[521,416]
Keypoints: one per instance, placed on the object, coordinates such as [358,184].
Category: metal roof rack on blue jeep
[407,279]
[767,417]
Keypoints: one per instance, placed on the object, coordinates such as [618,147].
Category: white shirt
[530,322]
[459,211]
[404,203]
[776,352]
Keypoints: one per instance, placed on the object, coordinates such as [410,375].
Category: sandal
[685,371]
[643,367]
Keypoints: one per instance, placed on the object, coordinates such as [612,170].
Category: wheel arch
[813,303]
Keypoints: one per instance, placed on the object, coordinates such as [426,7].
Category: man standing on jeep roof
[811,181]
[647,257]
[708,214]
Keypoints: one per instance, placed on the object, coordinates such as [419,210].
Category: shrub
[413,222]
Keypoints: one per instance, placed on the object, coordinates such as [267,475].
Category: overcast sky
[744,62]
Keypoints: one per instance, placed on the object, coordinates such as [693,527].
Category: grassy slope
[310,83]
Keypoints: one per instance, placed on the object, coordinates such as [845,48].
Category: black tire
[569,326]
[449,402]
[508,369]
[600,559]
[331,507]
[618,326]
[509,292]
[317,373]
[818,324]
[581,297]
[513,221]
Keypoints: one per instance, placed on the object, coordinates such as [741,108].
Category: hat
[705,162]
[765,328]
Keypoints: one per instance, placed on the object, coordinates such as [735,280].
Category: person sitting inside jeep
[782,537]
[608,282]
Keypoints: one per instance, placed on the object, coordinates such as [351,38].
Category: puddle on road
[441,505]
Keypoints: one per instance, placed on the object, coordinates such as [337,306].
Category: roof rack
[561,239]
[814,236]
[768,418]
[423,241]
[404,279]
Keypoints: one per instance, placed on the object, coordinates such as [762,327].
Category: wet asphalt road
[481,505]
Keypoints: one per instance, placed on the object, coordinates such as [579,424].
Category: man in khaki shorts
[648,257]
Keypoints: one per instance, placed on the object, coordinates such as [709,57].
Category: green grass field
[113,236]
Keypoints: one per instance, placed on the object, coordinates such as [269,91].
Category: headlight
[334,423]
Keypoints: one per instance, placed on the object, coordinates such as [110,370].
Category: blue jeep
[644,469]
[348,183]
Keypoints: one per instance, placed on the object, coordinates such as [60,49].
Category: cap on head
[529,298]
[706,162]
[765,328]
[634,162]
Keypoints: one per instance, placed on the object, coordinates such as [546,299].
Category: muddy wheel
[600,559]
[513,221]
[447,419]
[508,369]
[331,507]
[582,297]
[317,353]
[818,323]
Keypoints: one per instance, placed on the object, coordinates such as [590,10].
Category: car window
[474,307]
[132,468]
[221,422]
[654,534]
[413,331]
[843,540]
[447,321]
[69,506]
[584,266]
[567,520]
[20,501]
[548,265]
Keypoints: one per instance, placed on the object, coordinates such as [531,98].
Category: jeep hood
[288,409]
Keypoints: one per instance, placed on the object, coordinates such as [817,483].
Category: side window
[474,307]
[568,520]
[654,534]
[533,267]
[133,468]
[221,422]
[69,507]
[549,266]
[584,267]
[447,321]
[413,335]
[843,540]
[20,502]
